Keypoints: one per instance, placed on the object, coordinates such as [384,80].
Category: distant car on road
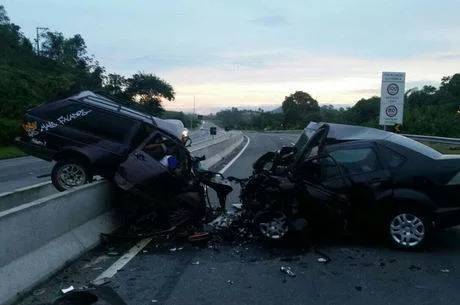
[88,134]
[374,179]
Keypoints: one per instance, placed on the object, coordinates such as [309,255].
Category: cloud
[329,79]
[271,20]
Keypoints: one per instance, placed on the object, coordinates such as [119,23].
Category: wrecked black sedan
[359,179]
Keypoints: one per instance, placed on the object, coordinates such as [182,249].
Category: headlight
[185,133]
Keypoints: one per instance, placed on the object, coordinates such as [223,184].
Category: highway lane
[360,271]
[21,172]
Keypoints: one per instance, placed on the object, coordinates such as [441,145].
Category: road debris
[358,288]
[196,263]
[154,301]
[414,268]
[68,289]
[112,253]
[200,238]
[322,260]
[287,270]
[445,270]
[176,249]
[237,206]
[96,261]
[230,282]
[39,292]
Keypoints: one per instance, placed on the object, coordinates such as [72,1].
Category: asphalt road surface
[360,271]
[21,172]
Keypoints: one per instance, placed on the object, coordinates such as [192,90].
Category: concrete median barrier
[41,230]
[219,148]
[38,238]
[23,195]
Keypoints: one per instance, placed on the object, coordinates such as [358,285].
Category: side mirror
[187,141]
[288,150]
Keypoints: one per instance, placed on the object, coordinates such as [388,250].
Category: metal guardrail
[433,139]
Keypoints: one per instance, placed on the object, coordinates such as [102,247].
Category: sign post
[392,98]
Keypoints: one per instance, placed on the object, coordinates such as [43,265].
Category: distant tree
[451,85]
[427,89]
[299,108]
[3,16]
[149,91]
[115,84]
[70,52]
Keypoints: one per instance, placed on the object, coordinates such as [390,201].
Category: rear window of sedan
[415,146]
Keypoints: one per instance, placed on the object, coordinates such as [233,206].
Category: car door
[366,179]
[145,170]
[322,188]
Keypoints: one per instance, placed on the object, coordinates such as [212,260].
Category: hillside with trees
[60,68]
[427,111]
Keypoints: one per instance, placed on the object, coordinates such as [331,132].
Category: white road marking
[292,143]
[122,261]
[236,157]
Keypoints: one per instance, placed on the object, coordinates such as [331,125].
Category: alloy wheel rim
[407,230]
[274,227]
[71,175]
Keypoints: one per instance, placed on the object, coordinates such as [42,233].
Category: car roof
[173,127]
[343,132]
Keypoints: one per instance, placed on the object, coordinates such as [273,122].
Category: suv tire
[69,173]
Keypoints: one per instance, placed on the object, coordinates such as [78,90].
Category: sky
[253,53]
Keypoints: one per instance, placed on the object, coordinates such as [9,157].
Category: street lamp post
[38,37]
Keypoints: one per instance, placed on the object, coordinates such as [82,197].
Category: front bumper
[36,150]
[447,217]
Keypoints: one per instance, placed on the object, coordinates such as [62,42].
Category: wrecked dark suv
[87,135]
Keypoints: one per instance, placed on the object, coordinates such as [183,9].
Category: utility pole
[193,114]
[38,37]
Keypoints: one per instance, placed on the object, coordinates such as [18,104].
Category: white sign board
[392,98]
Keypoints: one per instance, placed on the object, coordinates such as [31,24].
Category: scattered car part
[287,270]
[68,289]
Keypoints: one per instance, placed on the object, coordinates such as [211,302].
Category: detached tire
[70,173]
[408,228]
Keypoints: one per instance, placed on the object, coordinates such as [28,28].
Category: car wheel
[408,228]
[271,225]
[70,173]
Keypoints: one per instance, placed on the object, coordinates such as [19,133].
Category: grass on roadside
[447,149]
[7,152]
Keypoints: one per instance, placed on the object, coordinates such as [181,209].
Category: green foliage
[62,68]
[429,111]
[299,108]
[8,130]
[142,91]
[8,152]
